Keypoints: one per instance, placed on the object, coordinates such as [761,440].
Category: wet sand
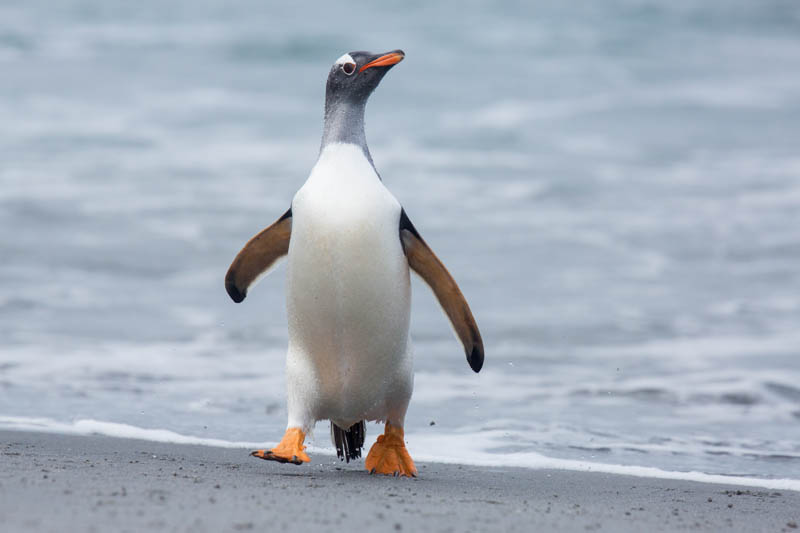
[52,482]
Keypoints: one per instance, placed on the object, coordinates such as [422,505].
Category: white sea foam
[112,429]
[456,445]
[461,450]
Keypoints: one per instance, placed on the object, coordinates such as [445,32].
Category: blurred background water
[615,186]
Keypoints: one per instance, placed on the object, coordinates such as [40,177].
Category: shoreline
[527,460]
[101,483]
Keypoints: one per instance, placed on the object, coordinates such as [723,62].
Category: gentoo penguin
[350,245]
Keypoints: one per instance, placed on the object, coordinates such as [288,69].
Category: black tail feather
[349,442]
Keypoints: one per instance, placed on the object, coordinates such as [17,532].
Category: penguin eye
[349,68]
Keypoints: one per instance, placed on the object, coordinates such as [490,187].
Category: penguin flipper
[258,255]
[424,262]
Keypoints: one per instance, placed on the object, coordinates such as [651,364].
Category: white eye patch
[344,59]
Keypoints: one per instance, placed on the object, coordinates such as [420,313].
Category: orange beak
[384,61]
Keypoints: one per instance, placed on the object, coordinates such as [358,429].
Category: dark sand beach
[53,482]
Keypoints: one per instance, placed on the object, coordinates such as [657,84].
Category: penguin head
[355,75]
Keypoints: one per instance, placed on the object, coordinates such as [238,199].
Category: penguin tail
[349,441]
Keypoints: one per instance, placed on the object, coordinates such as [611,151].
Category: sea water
[614,185]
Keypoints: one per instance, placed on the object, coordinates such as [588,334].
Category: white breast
[348,292]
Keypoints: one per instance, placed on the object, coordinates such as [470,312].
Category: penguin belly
[348,297]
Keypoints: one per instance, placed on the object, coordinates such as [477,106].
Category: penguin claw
[389,455]
[289,450]
[268,455]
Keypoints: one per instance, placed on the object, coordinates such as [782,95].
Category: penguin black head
[355,75]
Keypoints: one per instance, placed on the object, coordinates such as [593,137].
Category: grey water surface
[615,186]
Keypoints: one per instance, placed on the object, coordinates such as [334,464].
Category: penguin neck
[344,123]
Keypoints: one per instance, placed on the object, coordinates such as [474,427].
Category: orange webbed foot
[389,455]
[289,449]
